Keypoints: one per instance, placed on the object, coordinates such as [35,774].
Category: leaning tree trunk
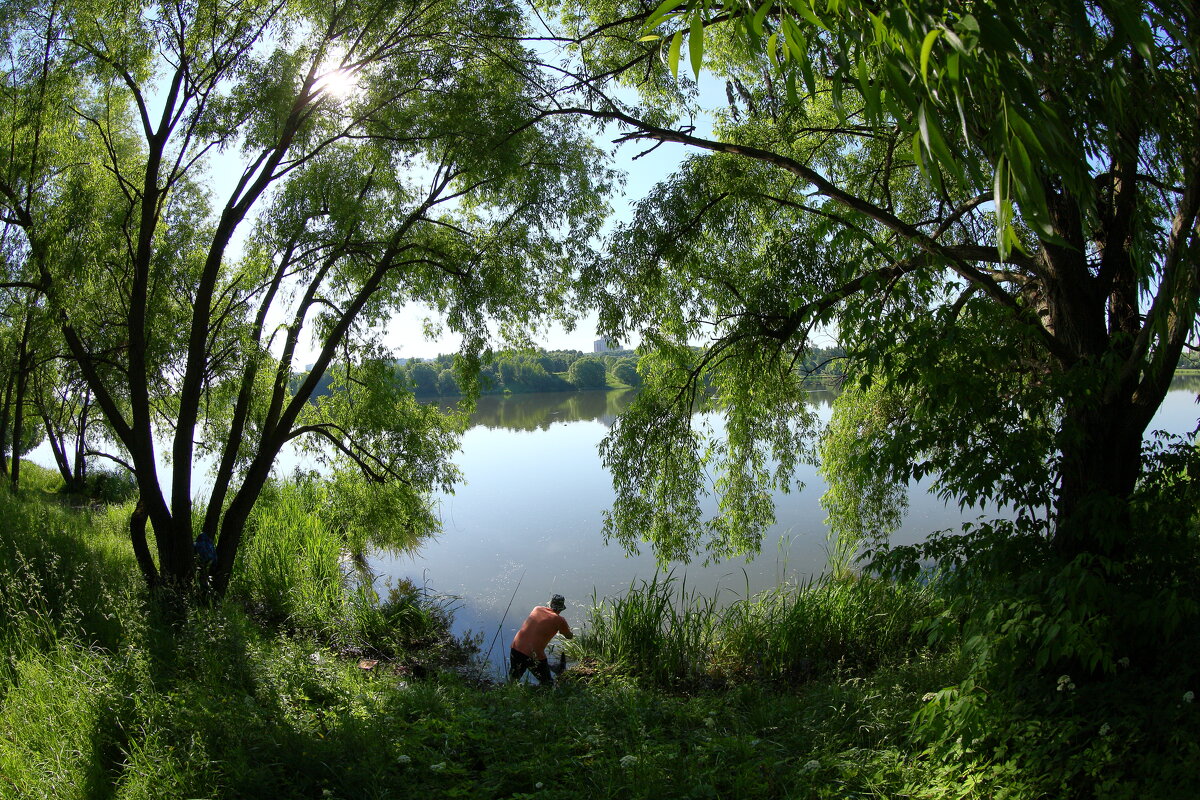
[141,551]
[58,448]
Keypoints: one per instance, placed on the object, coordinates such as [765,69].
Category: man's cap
[557,602]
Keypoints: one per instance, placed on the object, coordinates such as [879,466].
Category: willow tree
[993,204]
[207,190]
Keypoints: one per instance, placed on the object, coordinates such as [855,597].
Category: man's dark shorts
[519,662]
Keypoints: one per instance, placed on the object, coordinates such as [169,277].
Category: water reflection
[540,410]
[528,520]
[1186,383]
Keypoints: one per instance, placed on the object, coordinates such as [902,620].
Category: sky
[405,333]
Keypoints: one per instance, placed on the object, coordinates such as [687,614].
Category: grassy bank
[802,692]
[661,634]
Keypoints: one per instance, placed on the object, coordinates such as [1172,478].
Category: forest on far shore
[522,372]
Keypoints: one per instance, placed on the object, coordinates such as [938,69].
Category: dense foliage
[994,207]
[102,699]
[192,194]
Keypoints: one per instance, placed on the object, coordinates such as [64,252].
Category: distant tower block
[605,345]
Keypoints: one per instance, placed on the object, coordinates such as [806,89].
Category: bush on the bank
[302,566]
[1081,674]
[111,486]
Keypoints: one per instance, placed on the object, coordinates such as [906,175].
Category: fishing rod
[500,627]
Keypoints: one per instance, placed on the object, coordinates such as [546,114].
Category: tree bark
[18,434]
[1101,462]
[141,551]
[4,417]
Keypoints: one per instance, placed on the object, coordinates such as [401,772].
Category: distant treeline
[519,372]
[522,372]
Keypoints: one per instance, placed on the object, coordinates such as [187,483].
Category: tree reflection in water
[540,410]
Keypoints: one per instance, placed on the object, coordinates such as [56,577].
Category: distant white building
[605,345]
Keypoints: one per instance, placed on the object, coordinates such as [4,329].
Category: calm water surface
[527,522]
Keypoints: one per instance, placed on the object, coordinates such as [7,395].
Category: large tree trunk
[1101,449]
[5,413]
[24,368]
[1101,463]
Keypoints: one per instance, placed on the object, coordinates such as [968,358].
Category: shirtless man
[529,645]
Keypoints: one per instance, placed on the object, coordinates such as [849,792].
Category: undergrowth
[661,634]
[820,691]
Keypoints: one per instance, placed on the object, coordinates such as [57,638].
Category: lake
[527,521]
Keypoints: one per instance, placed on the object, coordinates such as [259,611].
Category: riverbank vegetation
[290,688]
[994,210]
[522,372]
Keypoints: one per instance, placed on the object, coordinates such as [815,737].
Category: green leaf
[810,79]
[952,67]
[926,49]
[1003,205]
[1022,166]
[661,13]
[869,89]
[673,54]
[918,152]
[900,88]
[878,26]
[955,41]
[1025,131]
[805,10]
[931,135]
[756,23]
[796,43]
[696,43]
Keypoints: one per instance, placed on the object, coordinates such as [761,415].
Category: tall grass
[61,572]
[297,568]
[290,565]
[668,636]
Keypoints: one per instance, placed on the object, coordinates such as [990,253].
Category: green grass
[663,635]
[802,692]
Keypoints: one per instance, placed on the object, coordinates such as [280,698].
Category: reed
[296,569]
[651,630]
[668,636]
